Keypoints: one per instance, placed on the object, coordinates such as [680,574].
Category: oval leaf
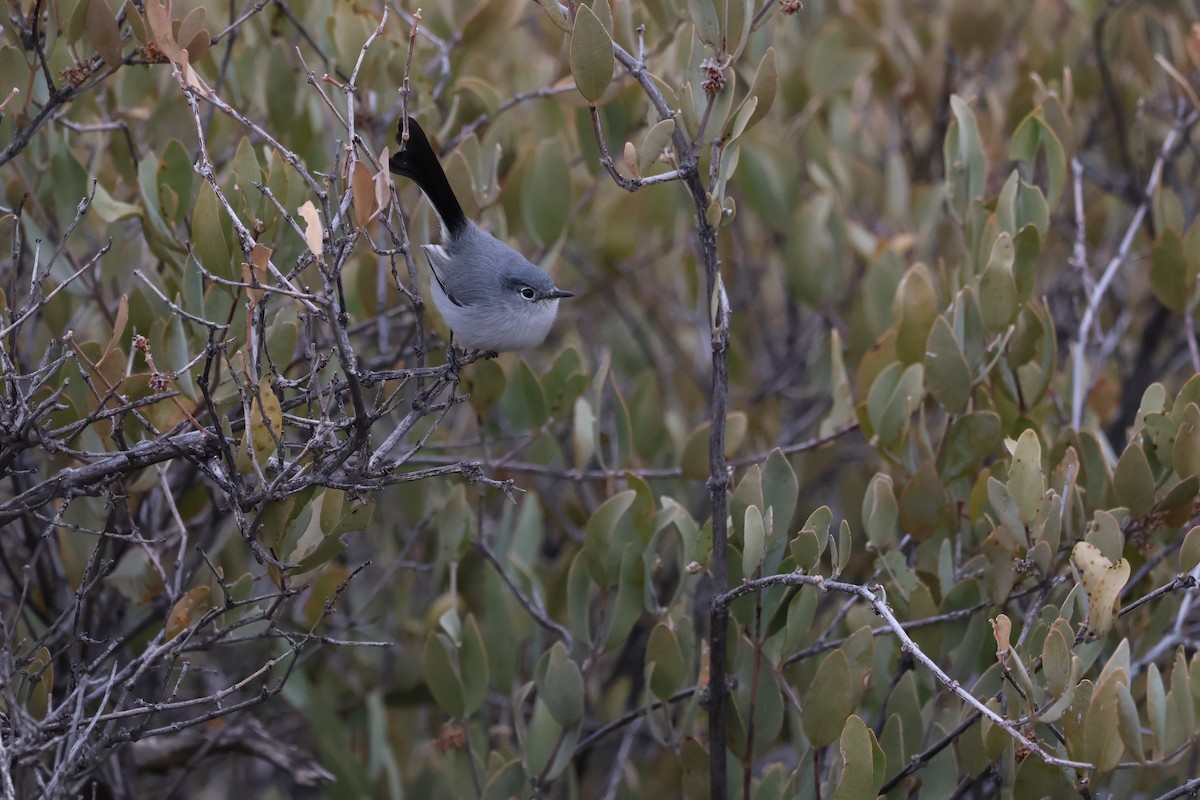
[591,55]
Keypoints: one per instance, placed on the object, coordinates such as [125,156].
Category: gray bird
[489,294]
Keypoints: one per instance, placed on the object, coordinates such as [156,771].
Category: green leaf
[829,700]
[591,55]
[695,458]
[842,413]
[546,200]
[1133,481]
[1027,245]
[1130,723]
[762,89]
[583,433]
[972,438]
[1185,454]
[664,654]
[962,153]
[1056,663]
[903,577]
[473,659]
[653,143]
[630,591]
[555,14]
[997,289]
[506,781]
[754,536]
[41,671]
[924,505]
[946,371]
[781,490]
[735,18]
[548,746]
[1156,709]
[208,235]
[880,510]
[560,685]
[1189,551]
[703,14]
[111,210]
[1032,136]
[441,676]
[893,397]
[1102,743]
[831,64]
[841,548]
[1169,271]
[601,534]
[455,524]
[1026,483]
[484,383]
[332,502]
[801,610]
[914,310]
[579,590]
[523,403]
[857,746]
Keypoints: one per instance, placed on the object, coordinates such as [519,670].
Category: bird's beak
[557,293]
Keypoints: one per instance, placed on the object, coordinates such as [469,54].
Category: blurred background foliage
[959,245]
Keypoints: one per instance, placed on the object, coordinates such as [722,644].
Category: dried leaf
[314,232]
[137,23]
[104,33]
[185,608]
[197,47]
[269,413]
[159,19]
[256,272]
[1002,632]
[1102,581]
[191,25]
[363,186]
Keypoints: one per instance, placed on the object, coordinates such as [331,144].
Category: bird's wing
[439,259]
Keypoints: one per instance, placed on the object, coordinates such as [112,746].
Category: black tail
[418,161]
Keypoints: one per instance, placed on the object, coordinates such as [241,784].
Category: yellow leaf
[195,600]
[266,421]
[1002,631]
[314,232]
[1103,581]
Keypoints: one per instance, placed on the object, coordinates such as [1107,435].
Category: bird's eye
[528,293]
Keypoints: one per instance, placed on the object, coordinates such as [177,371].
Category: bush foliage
[865,462]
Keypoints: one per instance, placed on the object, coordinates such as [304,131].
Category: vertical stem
[718,470]
[718,485]
[748,758]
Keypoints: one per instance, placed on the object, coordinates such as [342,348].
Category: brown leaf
[197,46]
[196,600]
[137,22]
[1193,46]
[159,18]
[363,186]
[119,323]
[190,25]
[256,272]
[104,33]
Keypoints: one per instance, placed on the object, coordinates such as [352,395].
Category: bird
[492,298]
